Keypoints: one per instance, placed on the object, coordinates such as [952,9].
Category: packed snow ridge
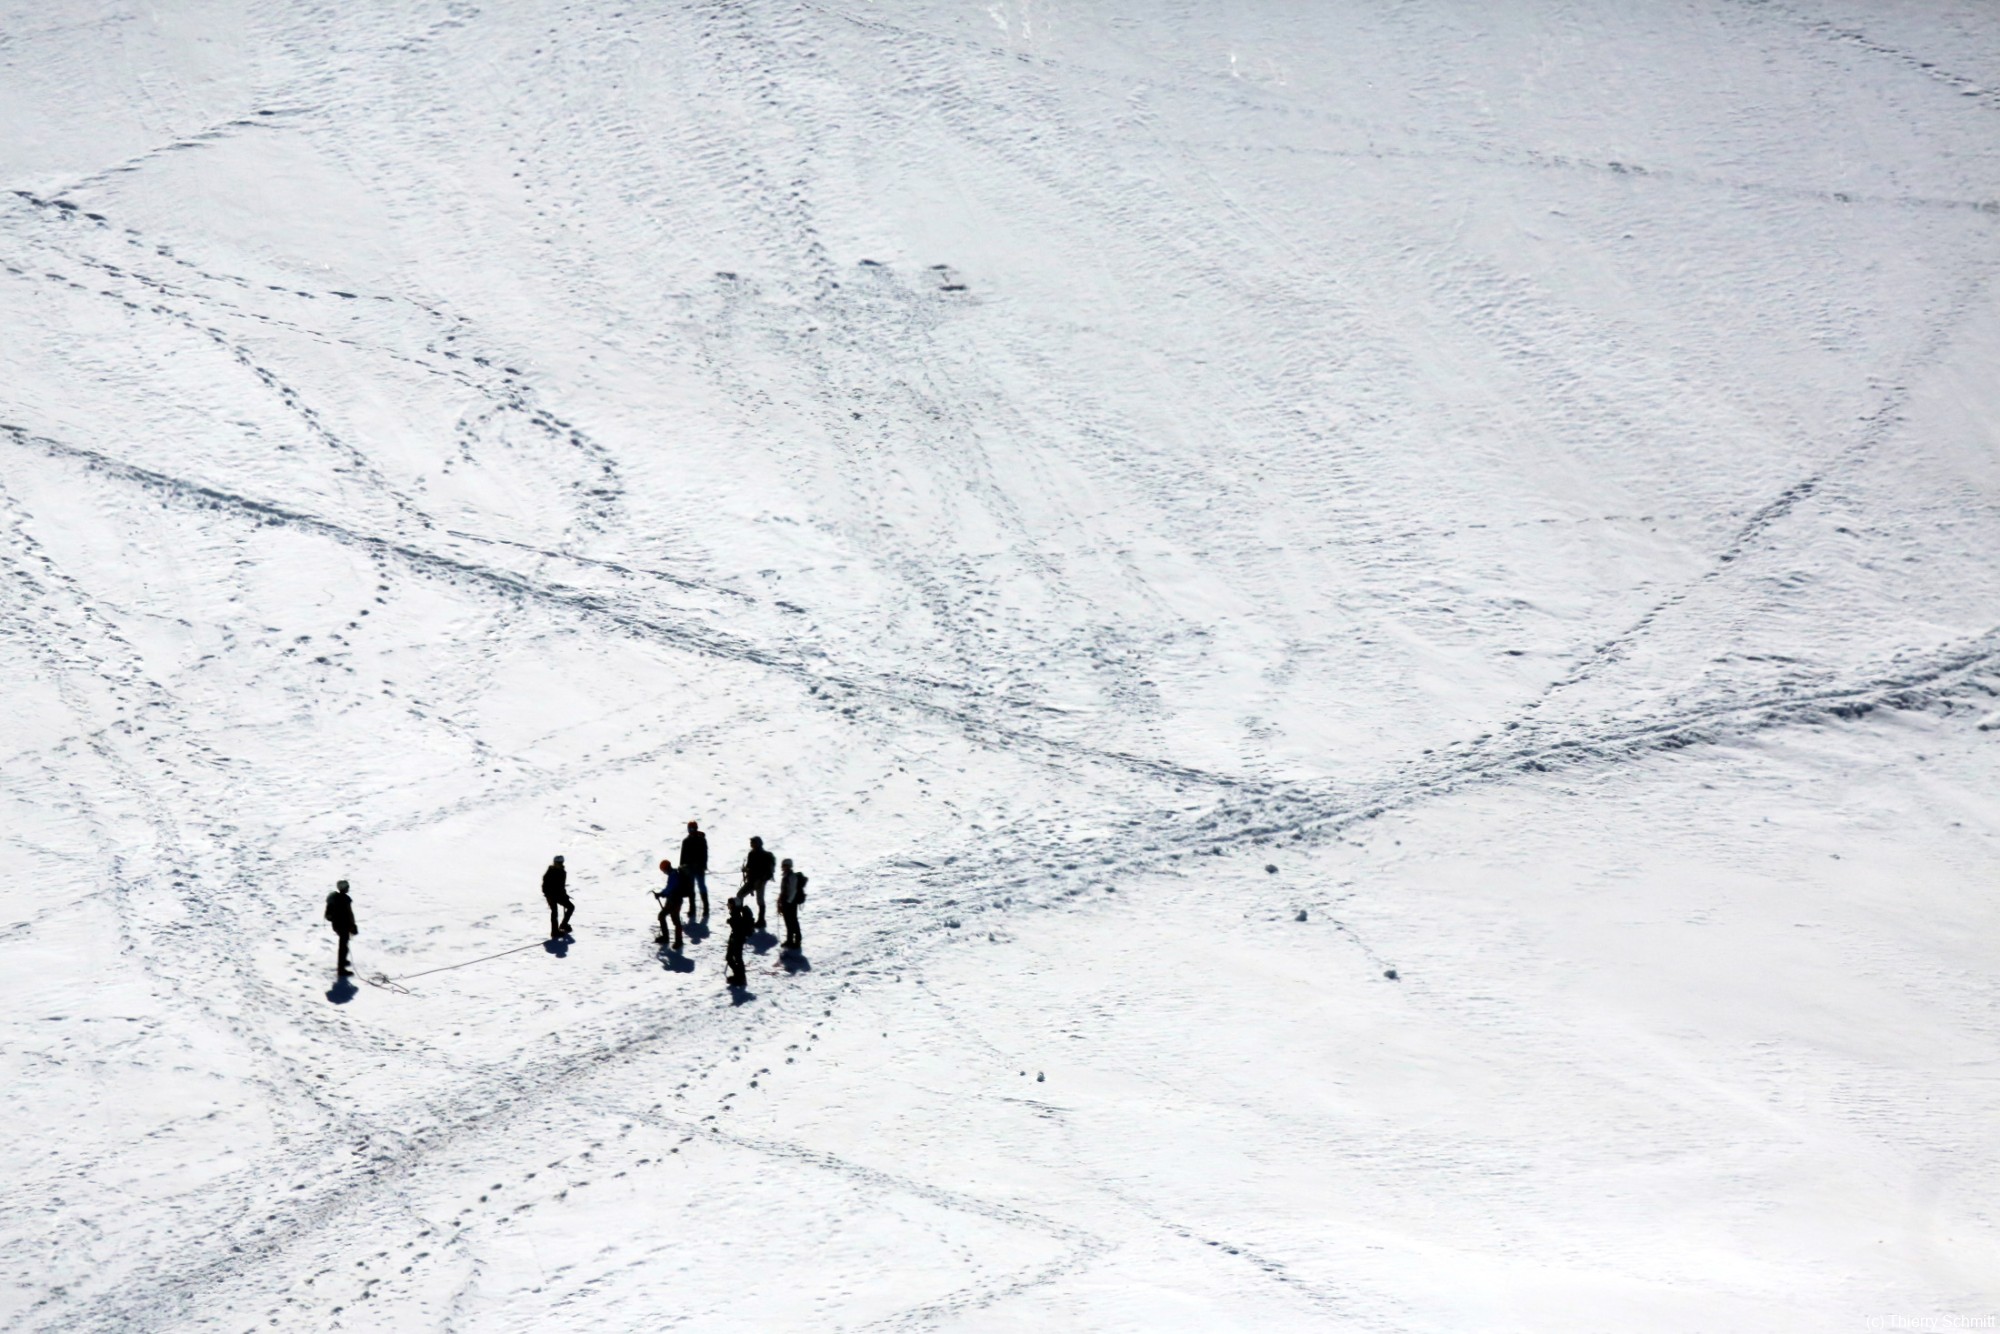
[1377,628]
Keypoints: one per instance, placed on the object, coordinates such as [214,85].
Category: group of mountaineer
[685,885]
[689,881]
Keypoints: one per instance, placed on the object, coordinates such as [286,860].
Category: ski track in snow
[477,1108]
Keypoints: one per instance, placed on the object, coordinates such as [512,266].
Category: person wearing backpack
[757,869]
[791,893]
[340,916]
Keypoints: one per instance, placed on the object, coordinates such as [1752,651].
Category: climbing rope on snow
[397,985]
[388,983]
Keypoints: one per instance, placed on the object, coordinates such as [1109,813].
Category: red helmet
[666,865]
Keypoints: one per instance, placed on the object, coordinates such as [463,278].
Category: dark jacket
[340,912]
[555,884]
[694,854]
[759,867]
[741,923]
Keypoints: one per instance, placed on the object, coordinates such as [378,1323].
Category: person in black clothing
[741,924]
[694,867]
[670,902]
[757,872]
[340,915]
[555,891]
[791,893]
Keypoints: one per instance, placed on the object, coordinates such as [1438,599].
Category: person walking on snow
[694,868]
[555,891]
[791,893]
[741,924]
[670,902]
[757,872]
[340,915]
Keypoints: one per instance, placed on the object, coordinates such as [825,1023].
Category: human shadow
[696,930]
[674,961]
[795,961]
[762,940]
[558,946]
[741,995]
[342,992]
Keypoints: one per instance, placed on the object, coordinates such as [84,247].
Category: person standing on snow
[757,872]
[741,924]
[340,915]
[555,891]
[791,893]
[670,902]
[694,868]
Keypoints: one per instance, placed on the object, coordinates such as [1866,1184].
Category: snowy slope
[1170,513]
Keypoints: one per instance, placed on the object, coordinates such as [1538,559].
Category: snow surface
[1527,472]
